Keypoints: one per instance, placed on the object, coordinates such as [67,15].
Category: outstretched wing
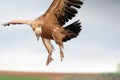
[61,11]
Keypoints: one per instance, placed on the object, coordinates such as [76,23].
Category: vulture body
[50,26]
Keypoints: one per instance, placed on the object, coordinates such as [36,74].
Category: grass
[116,73]
[23,78]
[48,76]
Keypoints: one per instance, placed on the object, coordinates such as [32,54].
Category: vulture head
[36,26]
[38,32]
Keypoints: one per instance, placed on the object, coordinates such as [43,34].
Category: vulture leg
[58,36]
[49,48]
[61,53]
[28,22]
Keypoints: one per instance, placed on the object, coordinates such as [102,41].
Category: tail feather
[73,30]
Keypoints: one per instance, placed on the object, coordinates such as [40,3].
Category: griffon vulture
[50,26]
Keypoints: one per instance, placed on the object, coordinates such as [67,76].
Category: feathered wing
[73,30]
[61,11]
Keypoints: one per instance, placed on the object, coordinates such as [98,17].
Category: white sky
[97,49]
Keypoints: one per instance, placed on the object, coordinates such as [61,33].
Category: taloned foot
[50,59]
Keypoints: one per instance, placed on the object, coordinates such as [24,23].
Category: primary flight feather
[50,26]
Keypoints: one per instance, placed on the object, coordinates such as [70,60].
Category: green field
[58,76]
[23,78]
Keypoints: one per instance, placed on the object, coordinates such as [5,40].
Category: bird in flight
[50,25]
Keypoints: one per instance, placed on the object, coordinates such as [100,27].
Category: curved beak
[37,37]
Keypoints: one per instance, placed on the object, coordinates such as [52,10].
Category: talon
[49,60]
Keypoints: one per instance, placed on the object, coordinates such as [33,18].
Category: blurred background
[96,49]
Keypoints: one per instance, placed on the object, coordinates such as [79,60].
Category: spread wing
[61,11]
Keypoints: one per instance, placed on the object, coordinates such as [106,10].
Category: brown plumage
[50,25]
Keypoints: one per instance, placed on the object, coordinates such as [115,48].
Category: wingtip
[78,21]
[5,24]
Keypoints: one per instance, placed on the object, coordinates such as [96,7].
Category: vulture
[51,25]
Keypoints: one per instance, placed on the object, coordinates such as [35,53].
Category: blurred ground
[4,75]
